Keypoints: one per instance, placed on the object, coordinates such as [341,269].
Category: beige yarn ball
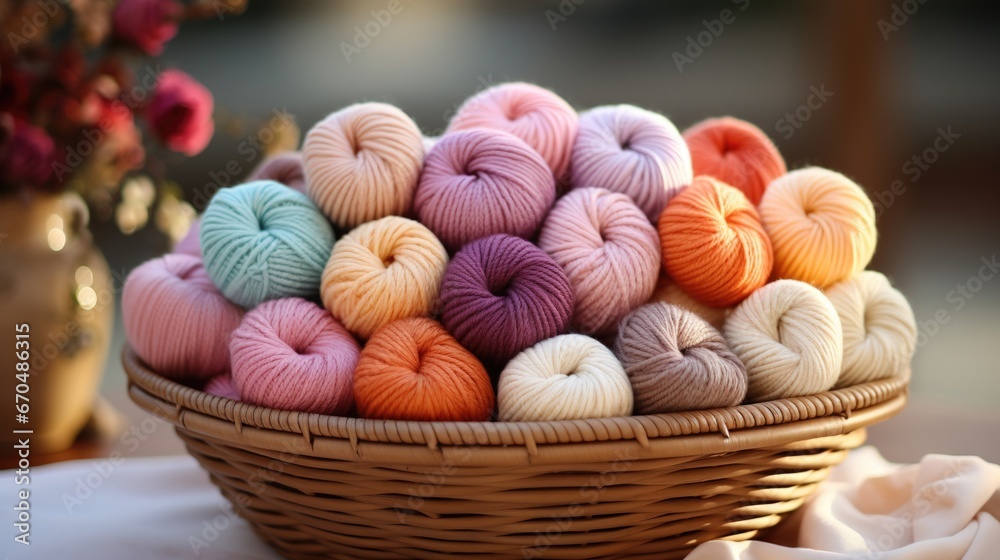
[788,336]
[880,331]
[567,377]
[668,291]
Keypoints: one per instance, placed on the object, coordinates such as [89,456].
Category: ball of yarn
[285,168]
[382,271]
[502,294]
[669,292]
[481,182]
[263,240]
[714,245]
[880,331]
[788,336]
[568,377]
[822,226]
[676,361]
[412,369]
[189,244]
[362,163]
[735,152]
[292,355]
[176,320]
[532,113]
[632,151]
[222,386]
[609,251]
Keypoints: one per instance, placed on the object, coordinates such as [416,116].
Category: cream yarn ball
[788,336]
[567,377]
[880,331]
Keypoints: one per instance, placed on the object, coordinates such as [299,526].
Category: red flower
[29,158]
[146,24]
[180,113]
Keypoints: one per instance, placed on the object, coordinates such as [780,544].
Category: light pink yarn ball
[630,150]
[190,244]
[176,320]
[482,182]
[534,114]
[293,355]
[609,251]
[285,168]
[222,386]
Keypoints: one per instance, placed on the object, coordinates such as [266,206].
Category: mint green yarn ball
[262,241]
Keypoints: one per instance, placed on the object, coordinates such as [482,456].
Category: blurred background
[899,95]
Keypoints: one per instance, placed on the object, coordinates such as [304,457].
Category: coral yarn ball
[676,361]
[263,240]
[633,151]
[668,291]
[292,355]
[789,338]
[483,182]
[285,168]
[609,251]
[735,152]
[534,114]
[880,331]
[714,245]
[222,386]
[568,377]
[501,294]
[362,163]
[382,271]
[176,320]
[412,369]
[821,224]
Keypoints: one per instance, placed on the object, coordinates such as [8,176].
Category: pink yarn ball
[293,355]
[190,244]
[482,182]
[609,251]
[630,150]
[222,386]
[285,168]
[534,114]
[176,320]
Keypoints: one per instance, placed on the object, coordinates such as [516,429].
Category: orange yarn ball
[714,245]
[412,369]
[736,153]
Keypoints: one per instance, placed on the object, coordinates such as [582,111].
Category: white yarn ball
[880,331]
[567,377]
[788,336]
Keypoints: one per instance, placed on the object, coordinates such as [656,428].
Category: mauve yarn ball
[534,114]
[668,291]
[176,320]
[482,182]
[291,354]
[222,386]
[285,168]
[676,361]
[501,294]
[189,244]
[633,151]
[609,251]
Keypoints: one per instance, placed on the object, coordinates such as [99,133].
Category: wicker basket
[317,486]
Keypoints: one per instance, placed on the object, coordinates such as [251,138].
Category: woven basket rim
[146,385]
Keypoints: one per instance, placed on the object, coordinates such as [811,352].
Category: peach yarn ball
[608,250]
[176,320]
[714,245]
[382,271]
[735,152]
[821,224]
[412,369]
[668,291]
[362,163]
[534,114]
[880,331]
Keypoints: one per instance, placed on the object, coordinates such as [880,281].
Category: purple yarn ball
[501,294]
[481,182]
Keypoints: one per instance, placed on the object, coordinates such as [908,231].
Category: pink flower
[180,113]
[146,24]
[29,157]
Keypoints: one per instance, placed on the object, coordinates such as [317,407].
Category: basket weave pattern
[317,486]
